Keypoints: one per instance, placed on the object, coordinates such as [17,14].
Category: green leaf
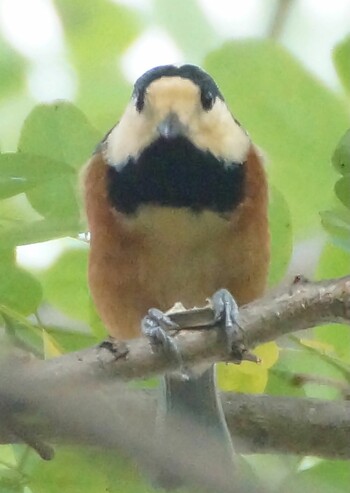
[97,29]
[38,231]
[341,154]
[342,190]
[337,224]
[290,114]
[271,470]
[19,289]
[280,382]
[15,211]
[324,477]
[57,199]
[281,236]
[104,95]
[59,131]
[11,478]
[10,482]
[65,284]
[97,32]
[7,456]
[32,335]
[334,262]
[296,361]
[61,475]
[25,331]
[248,377]
[99,472]
[336,336]
[12,70]
[20,172]
[71,340]
[341,58]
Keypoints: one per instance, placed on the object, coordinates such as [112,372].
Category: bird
[176,199]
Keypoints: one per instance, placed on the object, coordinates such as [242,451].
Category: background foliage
[302,127]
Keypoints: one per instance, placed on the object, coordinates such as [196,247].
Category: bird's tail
[191,418]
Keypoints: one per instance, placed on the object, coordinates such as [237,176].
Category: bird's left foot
[226,311]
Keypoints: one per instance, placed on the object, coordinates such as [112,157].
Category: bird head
[169,102]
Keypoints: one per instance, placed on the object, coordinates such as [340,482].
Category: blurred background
[91,53]
[66,73]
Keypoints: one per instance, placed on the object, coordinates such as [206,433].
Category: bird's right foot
[158,327]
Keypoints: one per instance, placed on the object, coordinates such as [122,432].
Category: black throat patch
[175,173]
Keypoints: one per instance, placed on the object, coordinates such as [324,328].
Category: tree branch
[304,305]
[257,423]
[77,397]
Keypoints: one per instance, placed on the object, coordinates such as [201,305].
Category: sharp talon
[226,311]
[156,325]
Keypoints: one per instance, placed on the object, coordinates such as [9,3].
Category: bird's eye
[207,99]
[139,98]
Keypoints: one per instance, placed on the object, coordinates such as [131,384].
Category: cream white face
[214,130]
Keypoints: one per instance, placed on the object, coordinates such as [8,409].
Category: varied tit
[176,201]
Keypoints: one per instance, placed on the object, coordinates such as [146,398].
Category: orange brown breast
[161,255]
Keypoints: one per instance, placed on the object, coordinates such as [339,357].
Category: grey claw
[226,310]
[162,319]
[156,325]
[225,307]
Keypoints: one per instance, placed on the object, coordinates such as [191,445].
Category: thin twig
[279,18]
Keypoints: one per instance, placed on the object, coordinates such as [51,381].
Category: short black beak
[171,127]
